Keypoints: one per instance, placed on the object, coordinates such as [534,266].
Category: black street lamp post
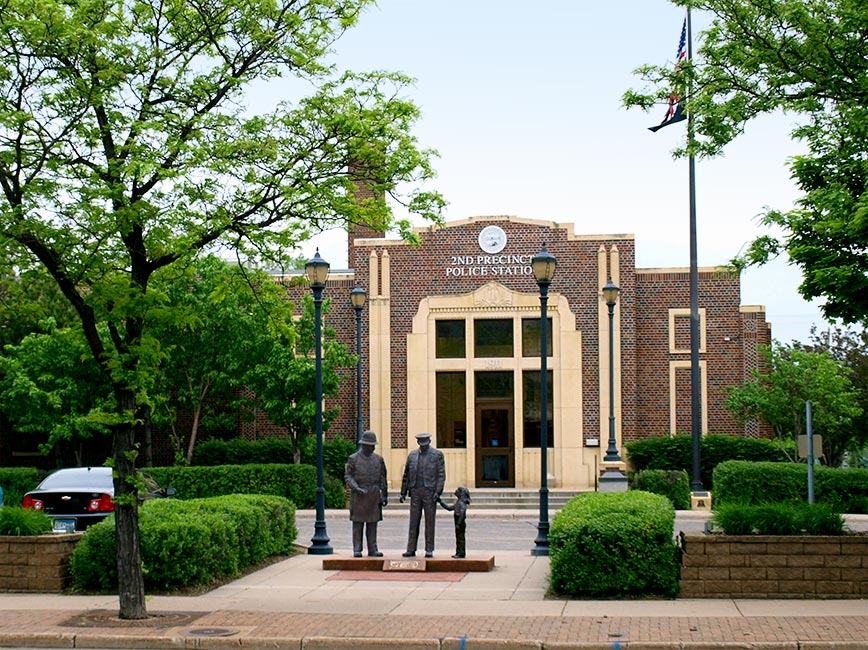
[544,265]
[317,270]
[358,298]
[613,479]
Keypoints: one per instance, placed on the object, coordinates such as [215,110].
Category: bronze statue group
[423,481]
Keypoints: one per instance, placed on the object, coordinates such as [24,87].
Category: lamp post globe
[317,271]
[544,265]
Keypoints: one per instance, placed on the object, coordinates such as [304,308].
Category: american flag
[675,111]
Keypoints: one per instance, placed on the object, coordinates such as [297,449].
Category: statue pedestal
[477,562]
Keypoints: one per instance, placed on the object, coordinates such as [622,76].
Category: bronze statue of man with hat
[365,476]
[424,480]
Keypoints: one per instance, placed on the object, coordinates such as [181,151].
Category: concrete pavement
[296,604]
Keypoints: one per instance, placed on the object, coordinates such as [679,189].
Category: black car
[78,497]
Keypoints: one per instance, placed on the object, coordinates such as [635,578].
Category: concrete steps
[501,498]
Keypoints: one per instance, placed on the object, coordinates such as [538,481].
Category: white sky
[523,102]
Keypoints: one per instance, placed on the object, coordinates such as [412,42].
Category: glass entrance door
[495,443]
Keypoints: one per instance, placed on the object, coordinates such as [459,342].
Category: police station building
[451,345]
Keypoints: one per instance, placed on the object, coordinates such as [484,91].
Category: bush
[190,543]
[238,451]
[778,519]
[614,545]
[295,482]
[15,481]
[674,485]
[676,453]
[20,522]
[844,490]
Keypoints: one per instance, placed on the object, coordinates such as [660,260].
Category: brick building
[451,345]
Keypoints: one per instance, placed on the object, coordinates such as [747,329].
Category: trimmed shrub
[674,485]
[676,453]
[190,543]
[295,482]
[15,481]
[778,519]
[238,451]
[844,490]
[617,544]
[20,522]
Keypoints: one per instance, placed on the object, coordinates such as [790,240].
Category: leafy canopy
[807,59]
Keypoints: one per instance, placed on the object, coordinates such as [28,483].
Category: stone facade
[771,566]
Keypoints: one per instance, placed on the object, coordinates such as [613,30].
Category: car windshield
[67,480]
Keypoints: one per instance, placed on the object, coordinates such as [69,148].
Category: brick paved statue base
[475,563]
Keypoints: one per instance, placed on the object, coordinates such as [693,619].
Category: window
[493,384]
[451,409]
[530,337]
[493,337]
[450,339]
[531,401]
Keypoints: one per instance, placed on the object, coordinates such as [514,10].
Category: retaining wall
[771,566]
[38,563]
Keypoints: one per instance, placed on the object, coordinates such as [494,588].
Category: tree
[27,302]
[126,147]
[806,58]
[793,377]
[49,384]
[224,321]
[283,384]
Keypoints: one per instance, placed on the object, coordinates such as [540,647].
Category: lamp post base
[613,480]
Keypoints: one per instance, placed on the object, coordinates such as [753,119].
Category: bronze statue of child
[459,511]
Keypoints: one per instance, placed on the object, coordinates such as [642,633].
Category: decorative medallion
[492,239]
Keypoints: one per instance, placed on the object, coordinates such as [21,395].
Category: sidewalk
[295,604]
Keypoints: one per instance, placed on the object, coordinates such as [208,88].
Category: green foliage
[672,484]
[50,385]
[790,377]
[738,482]
[19,522]
[335,492]
[27,301]
[801,57]
[676,453]
[190,543]
[237,451]
[284,383]
[614,545]
[15,481]
[294,482]
[223,321]
[778,519]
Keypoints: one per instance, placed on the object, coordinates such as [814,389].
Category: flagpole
[695,371]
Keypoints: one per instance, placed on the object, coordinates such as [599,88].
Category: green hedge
[238,451]
[15,481]
[617,544]
[672,484]
[190,543]
[295,482]
[741,482]
[778,519]
[676,452]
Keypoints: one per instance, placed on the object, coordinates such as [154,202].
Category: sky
[523,103]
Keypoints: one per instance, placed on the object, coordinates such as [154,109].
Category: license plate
[64,525]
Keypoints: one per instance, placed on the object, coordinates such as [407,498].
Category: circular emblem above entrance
[492,239]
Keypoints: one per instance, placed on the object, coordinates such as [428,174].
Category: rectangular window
[494,384]
[450,339]
[493,337]
[531,401]
[530,337]
[451,409]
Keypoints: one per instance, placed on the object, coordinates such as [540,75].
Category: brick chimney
[358,175]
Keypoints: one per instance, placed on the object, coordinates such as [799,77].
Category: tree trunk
[131,582]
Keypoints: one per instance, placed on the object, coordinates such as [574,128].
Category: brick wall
[38,563]
[766,566]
